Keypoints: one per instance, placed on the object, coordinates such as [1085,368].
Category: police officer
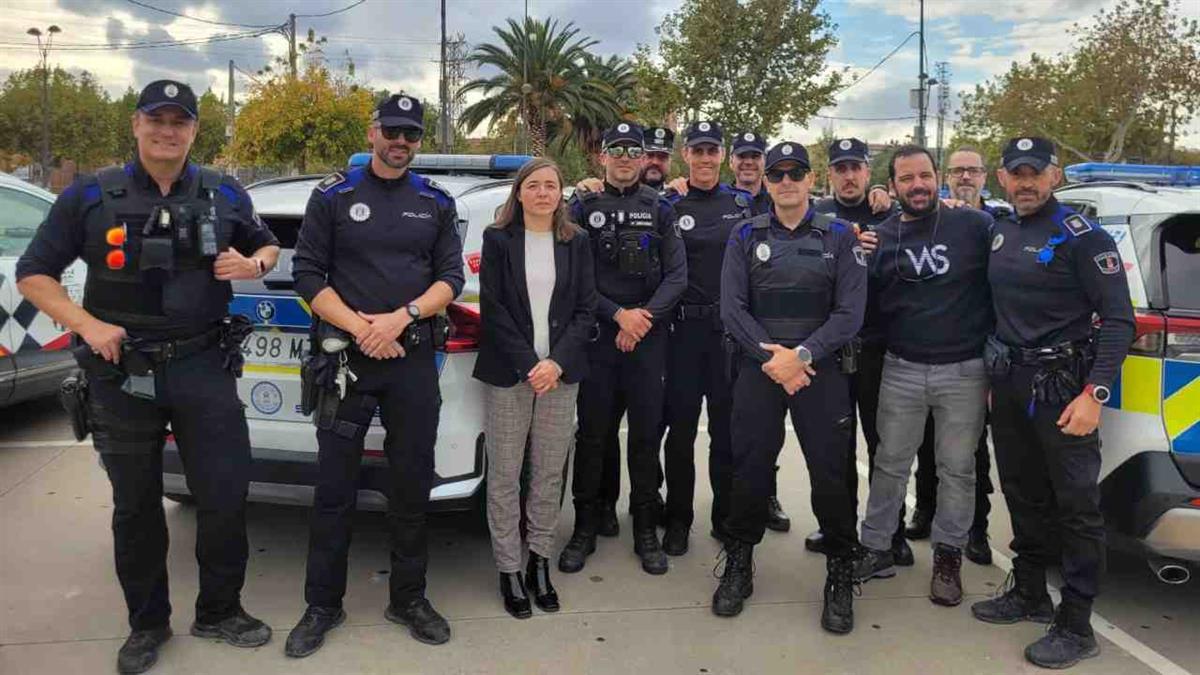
[849,176]
[697,360]
[378,256]
[659,142]
[1050,271]
[162,238]
[793,289]
[641,271]
[964,175]
[746,160]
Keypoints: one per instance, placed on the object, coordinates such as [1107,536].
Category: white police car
[1150,429]
[284,441]
[33,348]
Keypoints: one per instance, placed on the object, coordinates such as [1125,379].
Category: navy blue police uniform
[1050,272]
[182,351]
[380,243]
[640,263]
[697,360]
[752,141]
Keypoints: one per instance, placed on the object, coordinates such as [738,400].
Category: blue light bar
[1092,172]
[509,162]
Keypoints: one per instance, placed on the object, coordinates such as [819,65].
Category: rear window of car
[20,215]
[1181,261]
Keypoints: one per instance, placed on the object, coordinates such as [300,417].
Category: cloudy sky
[394,43]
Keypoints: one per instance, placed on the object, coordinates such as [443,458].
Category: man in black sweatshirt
[931,268]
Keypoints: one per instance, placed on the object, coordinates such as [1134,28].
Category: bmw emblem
[265,309]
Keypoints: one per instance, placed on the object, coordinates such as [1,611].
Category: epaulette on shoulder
[331,181]
[1076,225]
[433,190]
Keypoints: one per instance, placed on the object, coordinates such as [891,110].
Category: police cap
[624,133]
[704,132]
[659,139]
[848,150]
[747,141]
[399,110]
[162,93]
[1036,152]
[787,151]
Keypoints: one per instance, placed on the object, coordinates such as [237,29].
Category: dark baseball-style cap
[1036,152]
[399,110]
[163,93]
[659,139]
[704,132]
[848,150]
[787,151]
[625,133]
[749,140]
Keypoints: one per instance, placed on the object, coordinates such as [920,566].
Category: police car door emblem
[359,212]
[686,223]
[404,104]
[997,241]
[1108,262]
[597,219]
[845,145]
[763,252]
[170,91]
[266,398]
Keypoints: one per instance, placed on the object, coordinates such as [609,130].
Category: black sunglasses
[796,173]
[411,134]
[618,151]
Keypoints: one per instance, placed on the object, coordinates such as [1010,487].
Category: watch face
[1101,394]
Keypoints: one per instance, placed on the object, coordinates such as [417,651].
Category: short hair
[908,151]
[967,148]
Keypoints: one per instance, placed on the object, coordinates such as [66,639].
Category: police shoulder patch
[331,181]
[1108,262]
[1076,224]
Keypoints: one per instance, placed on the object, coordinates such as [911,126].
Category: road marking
[41,444]
[1131,645]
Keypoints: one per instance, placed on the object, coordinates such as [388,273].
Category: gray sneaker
[874,564]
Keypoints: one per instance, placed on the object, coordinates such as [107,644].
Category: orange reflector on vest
[115,259]
[115,236]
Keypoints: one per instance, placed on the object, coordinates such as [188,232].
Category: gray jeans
[514,414]
[956,393]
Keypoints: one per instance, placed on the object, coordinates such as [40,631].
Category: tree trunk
[536,128]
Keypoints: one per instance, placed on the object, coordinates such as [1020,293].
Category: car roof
[289,196]
[1122,198]
[10,181]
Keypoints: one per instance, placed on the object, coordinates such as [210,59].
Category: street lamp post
[44,48]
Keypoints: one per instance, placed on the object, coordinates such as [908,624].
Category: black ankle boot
[737,581]
[838,613]
[516,601]
[140,651]
[646,544]
[537,580]
[309,633]
[583,540]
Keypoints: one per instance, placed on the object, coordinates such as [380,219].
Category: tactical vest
[625,232]
[166,285]
[791,280]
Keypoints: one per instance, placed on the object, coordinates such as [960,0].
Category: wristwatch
[413,311]
[1100,393]
[805,355]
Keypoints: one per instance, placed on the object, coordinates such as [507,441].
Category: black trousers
[199,399]
[638,377]
[864,395]
[1050,481]
[927,480]
[820,414]
[697,370]
[406,391]
[610,486]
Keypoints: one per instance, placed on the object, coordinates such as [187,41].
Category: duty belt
[696,312]
[166,350]
[1032,356]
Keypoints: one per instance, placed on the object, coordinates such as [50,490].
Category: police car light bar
[1092,172]
[453,163]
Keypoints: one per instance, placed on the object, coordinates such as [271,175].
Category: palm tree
[586,127]
[542,80]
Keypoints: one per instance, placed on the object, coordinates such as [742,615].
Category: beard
[907,207]
[653,177]
[968,193]
[395,164]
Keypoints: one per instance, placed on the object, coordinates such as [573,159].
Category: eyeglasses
[973,171]
[796,173]
[619,151]
[411,134]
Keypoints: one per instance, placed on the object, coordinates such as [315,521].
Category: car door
[20,214]
[1180,246]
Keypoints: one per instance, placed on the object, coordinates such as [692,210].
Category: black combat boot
[646,544]
[140,651]
[921,524]
[608,525]
[239,630]
[777,519]
[838,613]
[1068,641]
[737,581]
[423,621]
[816,543]
[1023,597]
[675,539]
[978,550]
[583,540]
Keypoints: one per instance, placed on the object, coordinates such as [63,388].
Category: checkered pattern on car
[22,326]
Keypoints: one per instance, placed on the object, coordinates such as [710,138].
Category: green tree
[1123,93]
[312,122]
[752,64]
[657,100]
[81,125]
[542,80]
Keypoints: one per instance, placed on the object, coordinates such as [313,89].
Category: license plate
[272,347]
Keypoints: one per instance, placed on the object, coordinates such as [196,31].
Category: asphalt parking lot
[61,609]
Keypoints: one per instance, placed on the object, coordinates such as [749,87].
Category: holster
[73,394]
[318,372]
[234,331]
[848,356]
[997,358]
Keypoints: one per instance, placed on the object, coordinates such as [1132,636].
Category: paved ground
[61,608]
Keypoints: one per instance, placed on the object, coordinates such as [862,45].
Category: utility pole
[291,36]
[919,136]
[232,112]
[444,95]
[943,80]
[44,48]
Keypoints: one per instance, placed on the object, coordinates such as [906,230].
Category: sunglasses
[411,134]
[619,151]
[796,173]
